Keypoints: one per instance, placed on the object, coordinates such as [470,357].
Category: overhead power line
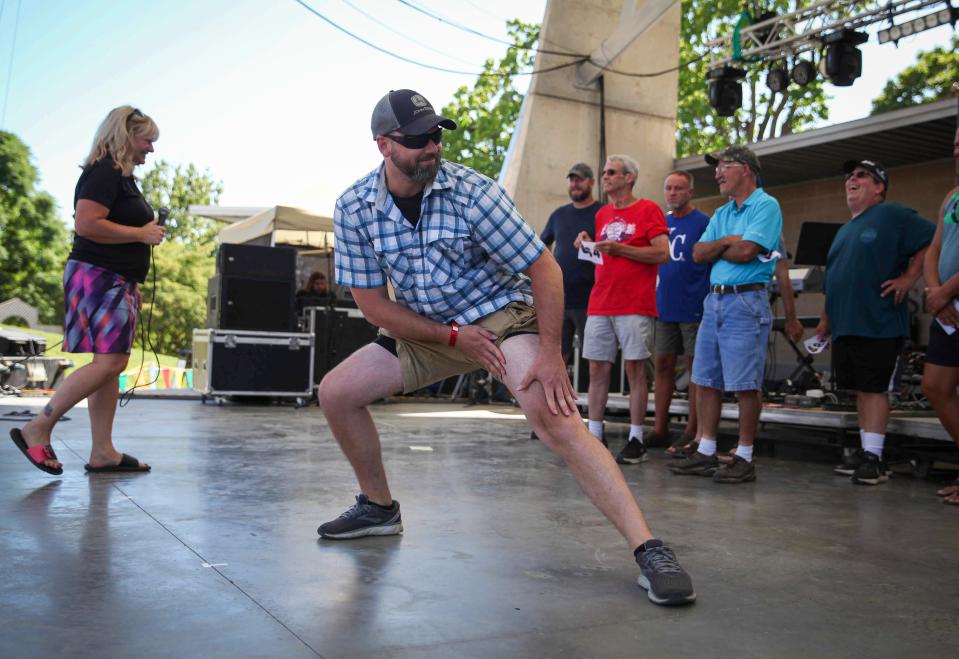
[466,28]
[431,66]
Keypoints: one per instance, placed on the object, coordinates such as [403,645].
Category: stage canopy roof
[281,225]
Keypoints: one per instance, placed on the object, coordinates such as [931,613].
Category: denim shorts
[732,340]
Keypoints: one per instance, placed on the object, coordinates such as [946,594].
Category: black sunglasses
[417,141]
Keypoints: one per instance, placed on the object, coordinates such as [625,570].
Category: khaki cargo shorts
[425,363]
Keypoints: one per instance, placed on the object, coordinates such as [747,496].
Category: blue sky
[269,98]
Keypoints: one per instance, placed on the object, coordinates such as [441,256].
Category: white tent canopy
[281,225]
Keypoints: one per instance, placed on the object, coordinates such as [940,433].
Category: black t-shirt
[562,228]
[410,206]
[101,183]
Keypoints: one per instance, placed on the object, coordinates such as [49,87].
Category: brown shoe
[682,447]
[739,471]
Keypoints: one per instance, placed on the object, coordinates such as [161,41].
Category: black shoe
[633,453]
[364,518]
[656,439]
[696,465]
[664,579]
[737,471]
[872,471]
[850,463]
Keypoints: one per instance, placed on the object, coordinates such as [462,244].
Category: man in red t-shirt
[632,236]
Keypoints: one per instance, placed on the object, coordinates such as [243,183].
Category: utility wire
[403,35]
[466,28]
[13,50]
[654,74]
[430,66]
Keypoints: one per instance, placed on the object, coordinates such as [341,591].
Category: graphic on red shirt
[624,286]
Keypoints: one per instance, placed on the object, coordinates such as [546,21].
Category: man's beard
[579,195]
[415,171]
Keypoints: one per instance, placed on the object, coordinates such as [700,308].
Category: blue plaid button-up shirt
[461,262]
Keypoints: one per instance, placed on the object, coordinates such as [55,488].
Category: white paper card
[587,252]
[815,345]
[772,256]
[949,329]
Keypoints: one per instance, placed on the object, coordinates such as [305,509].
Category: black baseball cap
[407,112]
[877,169]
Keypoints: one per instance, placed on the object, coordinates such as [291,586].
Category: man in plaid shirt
[465,270]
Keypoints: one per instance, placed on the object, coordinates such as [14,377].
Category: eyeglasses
[134,113]
[417,141]
[611,172]
[726,164]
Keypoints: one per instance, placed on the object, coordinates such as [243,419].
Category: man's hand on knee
[552,375]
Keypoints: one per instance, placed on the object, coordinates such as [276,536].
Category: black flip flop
[36,454]
[127,464]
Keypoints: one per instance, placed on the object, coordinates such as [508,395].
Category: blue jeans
[732,340]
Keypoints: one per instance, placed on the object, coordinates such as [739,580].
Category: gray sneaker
[696,465]
[364,518]
[664,579]
[737,471]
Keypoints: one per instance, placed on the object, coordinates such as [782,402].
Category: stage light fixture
[843,61]
[803,73]
[725,90]
[777,79]
[948,15]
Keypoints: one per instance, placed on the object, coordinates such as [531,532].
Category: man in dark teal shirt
[873,262]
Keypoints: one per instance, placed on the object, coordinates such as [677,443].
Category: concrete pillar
[560,124]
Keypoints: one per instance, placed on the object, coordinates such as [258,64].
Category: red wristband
[454,332]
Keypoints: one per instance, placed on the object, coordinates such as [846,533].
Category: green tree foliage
[33,241]
[184,261]
[486,114]
[177,187]
[764,115]
[180,303]
[929,79]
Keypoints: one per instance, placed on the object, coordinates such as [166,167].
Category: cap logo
[419,101]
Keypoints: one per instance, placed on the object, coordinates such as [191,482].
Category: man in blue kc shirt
[683,284]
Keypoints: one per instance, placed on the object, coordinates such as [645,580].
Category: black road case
[243,362]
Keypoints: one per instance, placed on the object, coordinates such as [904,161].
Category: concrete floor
[215,553]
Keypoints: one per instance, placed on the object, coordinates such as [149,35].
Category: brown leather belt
[726,289]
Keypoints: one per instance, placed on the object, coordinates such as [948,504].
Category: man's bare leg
[939,385]
[591,465]
[369,374]
[663,388]
[598,395]
[638,390]
[750,405]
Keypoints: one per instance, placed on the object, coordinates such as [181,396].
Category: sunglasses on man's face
[417,141]
[860,174]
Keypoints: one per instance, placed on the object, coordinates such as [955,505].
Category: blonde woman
[114,230]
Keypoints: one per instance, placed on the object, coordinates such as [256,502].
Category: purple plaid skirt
[101,309]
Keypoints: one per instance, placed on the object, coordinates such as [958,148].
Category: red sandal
[36,454]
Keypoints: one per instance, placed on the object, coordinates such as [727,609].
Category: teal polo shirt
[871,248]
[759,220]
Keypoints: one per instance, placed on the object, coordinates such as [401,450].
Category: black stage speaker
[256,261]
[339,333]
[815,239]
[248,303]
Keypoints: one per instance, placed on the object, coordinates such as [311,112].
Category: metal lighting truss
[803,30]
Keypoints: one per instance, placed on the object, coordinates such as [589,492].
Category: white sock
[636,432]
[596,428]
[872,442]
[745,452]
[707,446]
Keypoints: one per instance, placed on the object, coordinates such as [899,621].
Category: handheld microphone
[162,214]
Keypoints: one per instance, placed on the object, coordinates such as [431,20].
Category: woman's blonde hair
[114,138]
